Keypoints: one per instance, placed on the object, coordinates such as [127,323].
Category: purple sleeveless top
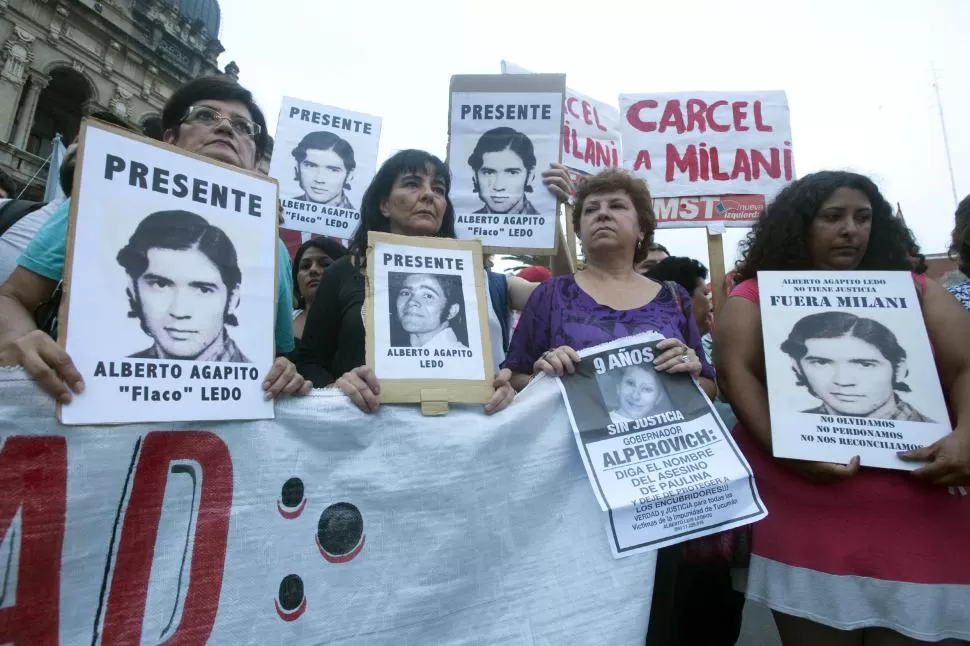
[560,313]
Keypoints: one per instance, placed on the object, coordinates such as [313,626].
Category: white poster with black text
[849,367]
[500,145]
[661,463]
[324,159]
[171,285]
[426,308]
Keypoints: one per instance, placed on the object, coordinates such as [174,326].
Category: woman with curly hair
[960,248]
[851,556]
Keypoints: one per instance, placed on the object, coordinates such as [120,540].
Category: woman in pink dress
[847,555]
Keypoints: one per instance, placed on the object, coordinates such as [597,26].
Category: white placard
[323,526]
[171,283]
[500,145]
[849,367]
[661,463]
[324,159]
[686,144]
[426,310]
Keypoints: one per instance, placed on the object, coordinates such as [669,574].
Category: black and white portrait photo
[184,287]
[324,157]
[500,142]
[427,311]
[632,392]
[852,365]
[503,169]
[849,367]
[324,168]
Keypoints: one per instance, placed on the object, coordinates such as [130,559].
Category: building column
[9,97]
[25,120]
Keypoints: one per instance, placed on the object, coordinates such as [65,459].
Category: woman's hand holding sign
[283,379]
[557,362]
[677,357]
[949,459]
[363,388]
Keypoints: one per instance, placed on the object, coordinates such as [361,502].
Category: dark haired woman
[408,196]
[960,247]
[310,261]
[847,555]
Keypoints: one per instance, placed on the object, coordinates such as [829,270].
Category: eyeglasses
[206,116]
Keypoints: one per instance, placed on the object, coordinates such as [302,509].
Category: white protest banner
[849,367]
[504,131]
[687,144]
[591,139]
[171,284]
[656,453]
[324,158]
[426,318]
[321,526]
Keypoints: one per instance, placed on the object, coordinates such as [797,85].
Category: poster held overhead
[849,367]
[659,459]
[504,131]
[170,284]
[426,320]
[324,159]
[688,144]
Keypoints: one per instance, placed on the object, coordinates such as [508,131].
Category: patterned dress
[962,293]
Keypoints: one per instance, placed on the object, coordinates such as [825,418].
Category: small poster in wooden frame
[426,321]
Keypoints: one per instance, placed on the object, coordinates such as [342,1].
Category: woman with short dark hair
[850,556]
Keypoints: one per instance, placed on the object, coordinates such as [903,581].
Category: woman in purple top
[608,299]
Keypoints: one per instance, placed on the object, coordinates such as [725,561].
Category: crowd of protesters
[847,555]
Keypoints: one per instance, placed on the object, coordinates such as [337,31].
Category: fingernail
[79,387]
[901,453]
[266,385]
[66,398]
[268,396]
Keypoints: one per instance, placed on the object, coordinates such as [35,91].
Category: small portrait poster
[504,132]
[426,319]
[659,459]
[324,158]
[170,284]
[849,367]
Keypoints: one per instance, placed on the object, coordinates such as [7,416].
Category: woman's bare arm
[739,360]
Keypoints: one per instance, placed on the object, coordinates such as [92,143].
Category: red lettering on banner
[33,479]
[715,126]
[716,172]
[737,111]
[759,121]
[742,167]
[642,160]
[672,118]
[686,164]
[695,115]
[129,582]
[634,119]
[788,163]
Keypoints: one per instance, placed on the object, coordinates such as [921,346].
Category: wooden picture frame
[434,394]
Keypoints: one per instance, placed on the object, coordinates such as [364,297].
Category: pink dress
[881,549]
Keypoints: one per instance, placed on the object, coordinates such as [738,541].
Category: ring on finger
[684,358]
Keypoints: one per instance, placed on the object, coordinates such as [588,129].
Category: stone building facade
[63,59]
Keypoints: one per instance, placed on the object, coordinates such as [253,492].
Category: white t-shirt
[15,239]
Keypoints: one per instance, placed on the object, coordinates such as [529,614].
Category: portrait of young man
[324,169]
[855,366]
[503,166]
[429,310]
[184,285]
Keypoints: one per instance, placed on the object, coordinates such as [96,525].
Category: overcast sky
[857,73]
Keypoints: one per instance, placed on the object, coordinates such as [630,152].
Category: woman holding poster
[408,196]
[847,555]
[608,299]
